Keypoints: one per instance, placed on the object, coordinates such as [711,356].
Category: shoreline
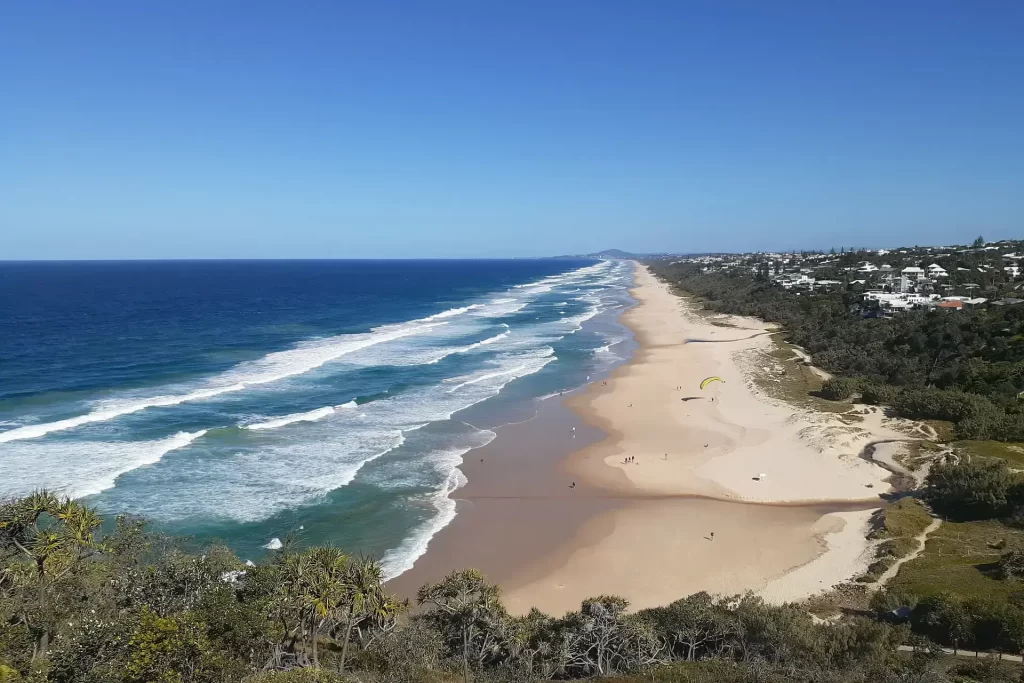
[696,467]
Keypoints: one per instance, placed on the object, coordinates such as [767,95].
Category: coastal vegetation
[960,374]
[84,600]
[896,527]
[966,368]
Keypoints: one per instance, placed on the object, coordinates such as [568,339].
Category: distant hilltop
[607,253]
[612,253]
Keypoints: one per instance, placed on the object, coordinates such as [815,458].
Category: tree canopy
[131,605]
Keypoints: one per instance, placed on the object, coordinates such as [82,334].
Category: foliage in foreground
[133,606]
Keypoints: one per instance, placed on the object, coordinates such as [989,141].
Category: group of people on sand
[631,458]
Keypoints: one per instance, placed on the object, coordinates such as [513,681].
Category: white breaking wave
[274,544]
[577,320]
[81,468]
[542,289]
[453,350]
[522,370]
[453,312]
[255,481]
[264,477]
[485,342]
[506,308]
[446,463]
[311,416]
[271,368]
[270,470]
[402,558]
[405,355]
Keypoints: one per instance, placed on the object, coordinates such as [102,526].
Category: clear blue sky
[188,129]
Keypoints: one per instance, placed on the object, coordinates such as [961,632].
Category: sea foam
[284,461]
[271,368]
[82,468]
[445,463]
[311,416]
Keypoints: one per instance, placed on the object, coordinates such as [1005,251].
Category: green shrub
[839,388]
[975,489]
[304,675]
[1011,565]
[879,394]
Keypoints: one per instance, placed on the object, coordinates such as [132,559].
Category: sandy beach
[658,465]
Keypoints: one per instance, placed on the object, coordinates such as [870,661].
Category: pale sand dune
[642,529]
[656,550]
[847,554]
[806,456]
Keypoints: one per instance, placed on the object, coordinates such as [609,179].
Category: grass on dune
[904,518]
[1012,453]
[959,558]
[897,525]
[712,671]
[781,373]
[943,429]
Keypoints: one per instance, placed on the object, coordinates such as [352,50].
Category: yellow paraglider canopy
[709,380]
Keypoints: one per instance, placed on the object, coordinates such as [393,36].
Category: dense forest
[83,601]
[966,366]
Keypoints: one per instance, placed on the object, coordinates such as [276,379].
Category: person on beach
[712,535]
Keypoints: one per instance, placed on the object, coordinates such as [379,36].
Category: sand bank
[783,488]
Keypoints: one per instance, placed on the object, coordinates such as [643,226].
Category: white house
[897,305]
[935,270]
[899,302]
[913,272]
[866,267]
[790,280]
[1012,271]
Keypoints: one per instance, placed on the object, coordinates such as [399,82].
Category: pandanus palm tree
[366,601]
[465,601]
[55,534]
[317,581]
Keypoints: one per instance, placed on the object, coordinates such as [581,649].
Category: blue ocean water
[248,400]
